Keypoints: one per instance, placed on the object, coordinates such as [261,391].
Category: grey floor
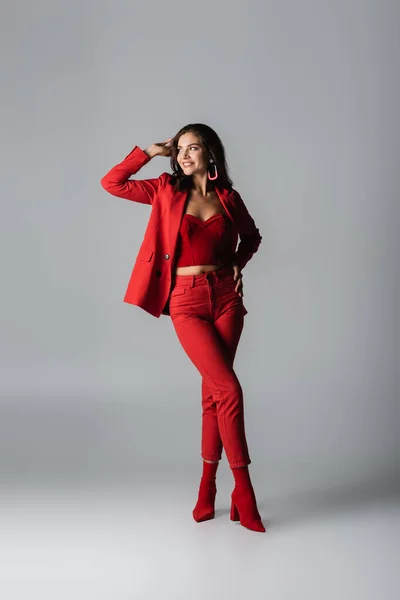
[138,541]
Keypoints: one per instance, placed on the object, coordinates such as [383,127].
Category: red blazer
[150,283]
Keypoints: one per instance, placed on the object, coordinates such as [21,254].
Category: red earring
[211,178]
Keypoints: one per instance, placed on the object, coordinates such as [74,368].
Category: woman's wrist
[150,151]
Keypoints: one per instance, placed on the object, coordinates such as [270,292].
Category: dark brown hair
[214,148]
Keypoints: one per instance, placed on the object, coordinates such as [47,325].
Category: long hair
[214,149]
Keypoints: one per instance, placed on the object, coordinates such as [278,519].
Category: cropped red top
[204,242]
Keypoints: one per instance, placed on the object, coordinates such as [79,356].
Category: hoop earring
[212,178]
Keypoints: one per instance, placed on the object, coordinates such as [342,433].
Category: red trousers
[208,317]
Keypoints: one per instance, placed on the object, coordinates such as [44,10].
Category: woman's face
[191,155]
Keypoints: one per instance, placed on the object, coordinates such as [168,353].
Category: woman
[188,267]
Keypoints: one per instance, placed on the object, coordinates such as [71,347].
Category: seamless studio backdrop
[305,97]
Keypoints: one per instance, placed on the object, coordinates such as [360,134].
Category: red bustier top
[204,242]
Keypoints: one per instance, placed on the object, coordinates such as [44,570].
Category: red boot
[204,509]
[244,504]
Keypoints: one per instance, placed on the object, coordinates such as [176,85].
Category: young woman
[188,267]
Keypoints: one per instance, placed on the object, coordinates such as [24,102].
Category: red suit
[205,309]
[150,284]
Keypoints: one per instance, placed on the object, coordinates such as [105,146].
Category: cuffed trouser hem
[242,463]
[211,457]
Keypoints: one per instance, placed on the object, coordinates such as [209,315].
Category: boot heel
[249,516]
[234,512]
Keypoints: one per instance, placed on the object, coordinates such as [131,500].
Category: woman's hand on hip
[238,277]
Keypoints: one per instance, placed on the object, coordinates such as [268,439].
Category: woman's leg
[229,327]
[211,442]
[202,343]
[208,321]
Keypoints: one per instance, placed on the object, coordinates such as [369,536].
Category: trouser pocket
[179,290]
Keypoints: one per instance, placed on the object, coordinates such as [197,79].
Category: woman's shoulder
[167,179]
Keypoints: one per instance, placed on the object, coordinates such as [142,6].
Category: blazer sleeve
[117,181]
[249,235]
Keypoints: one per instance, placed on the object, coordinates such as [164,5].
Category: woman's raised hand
[159,149]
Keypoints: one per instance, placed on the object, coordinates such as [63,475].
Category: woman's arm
[117,181]
[250,237]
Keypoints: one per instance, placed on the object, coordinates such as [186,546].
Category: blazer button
[158,273]
[166,256]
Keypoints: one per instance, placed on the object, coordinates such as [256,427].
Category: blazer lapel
[225,197]
[178,201]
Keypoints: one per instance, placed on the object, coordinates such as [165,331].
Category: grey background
[305,97]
